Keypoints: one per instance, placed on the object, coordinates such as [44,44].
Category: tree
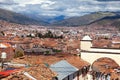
[18,53]
[2,33]
[39,35]
[48,35]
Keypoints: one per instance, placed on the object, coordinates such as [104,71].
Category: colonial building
[94,54]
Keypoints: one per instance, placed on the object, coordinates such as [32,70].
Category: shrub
[18,54]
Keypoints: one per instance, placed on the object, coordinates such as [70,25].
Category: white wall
[85,45]
[91,57]
[81,77]
[105,50]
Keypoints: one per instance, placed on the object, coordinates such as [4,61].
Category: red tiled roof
[104,65]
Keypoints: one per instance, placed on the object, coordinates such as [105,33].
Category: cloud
[107,0]
[7,2]
[47,5]
[60,7]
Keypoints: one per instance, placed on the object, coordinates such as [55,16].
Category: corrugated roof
[63,69]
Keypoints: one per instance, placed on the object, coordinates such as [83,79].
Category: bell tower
[86,43]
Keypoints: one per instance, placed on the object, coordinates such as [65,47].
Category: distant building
[66,71]
[6,47]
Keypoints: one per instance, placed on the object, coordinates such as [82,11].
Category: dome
[86,38]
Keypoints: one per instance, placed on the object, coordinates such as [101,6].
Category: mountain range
[47,19]
[86,19]
[99,18]
[18,18]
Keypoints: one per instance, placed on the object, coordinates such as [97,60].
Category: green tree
[18,53]
[39,35]
[48,35]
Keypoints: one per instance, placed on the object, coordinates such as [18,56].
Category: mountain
[18,18]
[58,18]
[47,19]
[109,21]
[99,18]
[54,19]
[86,19]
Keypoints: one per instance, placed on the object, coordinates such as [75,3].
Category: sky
[60,7]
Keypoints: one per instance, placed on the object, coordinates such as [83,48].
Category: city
[59,40]
[30,49]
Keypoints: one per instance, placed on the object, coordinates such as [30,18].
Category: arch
[104,63]
[91,57]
